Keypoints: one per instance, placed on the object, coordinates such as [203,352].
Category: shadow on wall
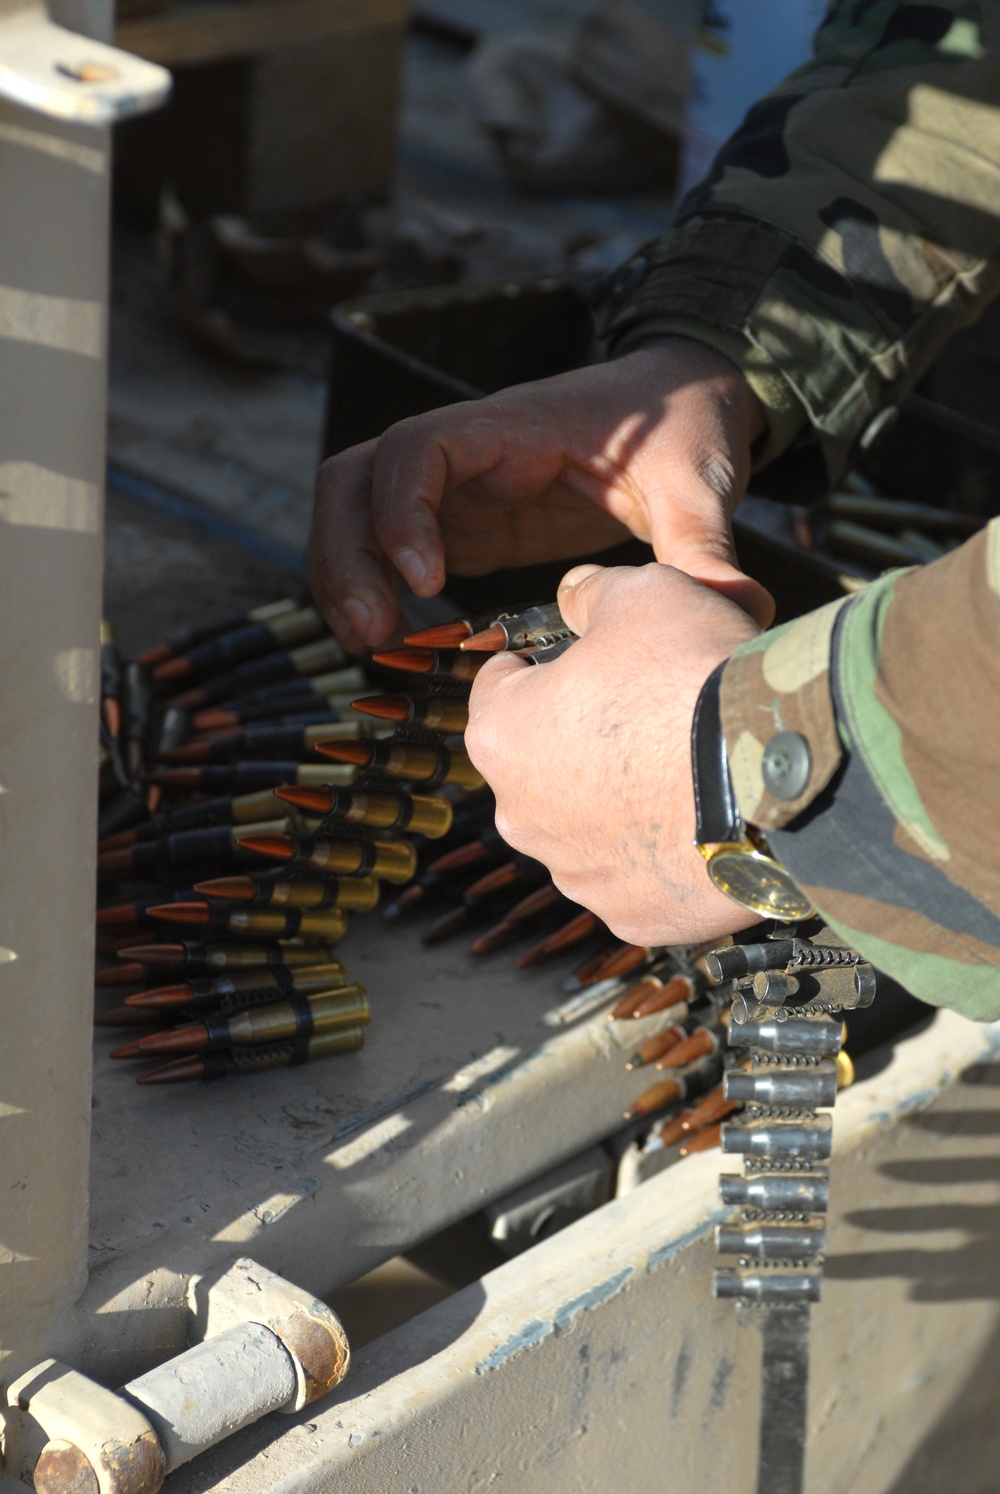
[962,1452]
[961,1272]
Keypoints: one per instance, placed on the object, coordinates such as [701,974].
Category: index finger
[351,581]
[415,463]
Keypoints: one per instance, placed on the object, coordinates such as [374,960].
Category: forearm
[897,692]
[846,232]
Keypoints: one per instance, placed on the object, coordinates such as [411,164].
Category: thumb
[579,592]
[701,543]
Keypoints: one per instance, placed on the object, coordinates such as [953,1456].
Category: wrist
[672,358]
[739,860]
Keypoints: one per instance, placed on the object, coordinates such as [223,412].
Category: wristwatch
[739,860]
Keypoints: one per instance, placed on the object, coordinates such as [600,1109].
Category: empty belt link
[789,990]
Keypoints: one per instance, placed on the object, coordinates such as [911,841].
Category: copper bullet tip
[191,752]
[179,1072]
[124,1016]
[456,921]
[585,974]
[186,1039]
[197,913]
[119,915]
[177,668]
[413,660]
[621,961]
[442,635]
[189,700]
[699,1045]
[489,641]
[314,800]
[712,1107]
[703,1141]
[280,846]
[160,996]
[463,856]
[213,719]
[127,1050]
[232,889]
[113,862]
[122,940]
[653,995]
[112,714]
[497,880]
[131,974]
[174,777]
[156,954]
[498,937]
[359,754]
[411,897]
[155,655]
[655,1098]
[385,707]
[117,842]
[580,927]
[540,901]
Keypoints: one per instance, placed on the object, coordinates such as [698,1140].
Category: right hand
[655,444]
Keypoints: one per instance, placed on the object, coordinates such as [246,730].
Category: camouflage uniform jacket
[848,228]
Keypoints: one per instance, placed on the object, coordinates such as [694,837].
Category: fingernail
[577,574]
[358,614]
[412,566]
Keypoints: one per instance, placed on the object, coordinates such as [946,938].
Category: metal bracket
[312,1334]
[260,1344]
[56,72]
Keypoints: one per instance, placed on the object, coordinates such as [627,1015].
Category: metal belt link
[790,993]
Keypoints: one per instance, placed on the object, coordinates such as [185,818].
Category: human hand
[590,756]
[656,444]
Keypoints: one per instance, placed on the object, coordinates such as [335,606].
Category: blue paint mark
[177,506]
[908,1106]
[682,1370]
[664,1253]
[525,1338]
[517,1065]
[597,1295]
[720,1384]
[355,1122]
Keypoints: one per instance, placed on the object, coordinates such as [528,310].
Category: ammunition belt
[787,1017]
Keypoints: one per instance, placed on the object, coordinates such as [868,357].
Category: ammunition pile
[223,885]
[859,525]
[244,818]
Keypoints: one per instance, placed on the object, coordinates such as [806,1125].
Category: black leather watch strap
[717,814]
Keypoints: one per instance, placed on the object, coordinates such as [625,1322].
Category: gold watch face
[757,881]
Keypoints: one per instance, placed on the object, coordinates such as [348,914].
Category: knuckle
[507,829]
[481,743]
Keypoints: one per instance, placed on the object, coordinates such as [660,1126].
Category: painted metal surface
[469,1083]
[600,1357]
[54,183]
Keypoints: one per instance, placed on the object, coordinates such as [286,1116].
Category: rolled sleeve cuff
[785,416]
[876,878]
[780,682]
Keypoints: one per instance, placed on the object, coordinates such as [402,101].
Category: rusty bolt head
[63,1469]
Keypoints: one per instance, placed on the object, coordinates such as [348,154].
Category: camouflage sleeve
[897,692]
[845,232]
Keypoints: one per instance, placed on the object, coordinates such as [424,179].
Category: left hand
[590,756]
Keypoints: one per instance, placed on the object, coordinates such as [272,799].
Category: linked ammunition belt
[789,997]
